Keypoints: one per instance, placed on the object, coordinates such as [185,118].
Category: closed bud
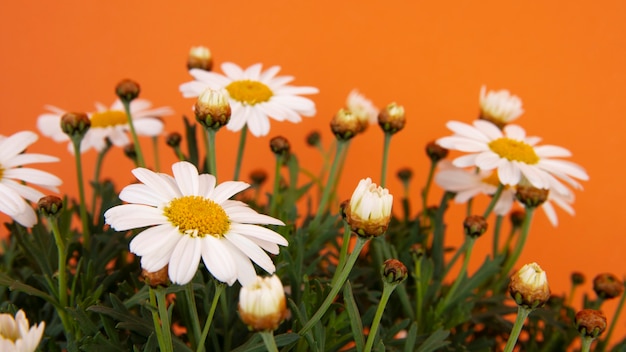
[75,124]
[258,177]
[394,271]
[590,322]
[280,146]
[391,118]
[130,152]
[577,278]
[127,90]
[212,109]
[517,217]
[50,205]
[369,210]
[436,152]
[530,196]
[313,138]
[156,278]
[346,125]
[200,57]
[474,226]
[405,174]
[173,139]
[607,286]
[262,304]
[529,286]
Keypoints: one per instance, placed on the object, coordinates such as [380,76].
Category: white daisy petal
[246,274]
[465,160]
[15,144]
[218,260]
[185,259]
[252,250]
[227,189]
[142,194]
[509,174]
[23,191]
[552,151]
[258,232]
[129,216]
[186,176]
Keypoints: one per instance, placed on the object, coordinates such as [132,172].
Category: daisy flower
[500,107]
[107,122]
[255,96]
[189,218]
[512,154]
[17,335]
[362,107]
[467,184]
[13,192]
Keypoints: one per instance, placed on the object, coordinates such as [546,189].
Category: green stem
[193,311]
[219,288]
[461,275]
[520,242]
[383,176]
[343,276]
[331,181]
[240,149]
[155,147]
[586,343]
[179,154]
[494,200]
[276,187]
[618,312]
[419,293]
[155,320]
[140,160]
[387,290]
[81,193]
[426,189]
[165,320]
[210,151]
[522,314]
[268,339]
[439,234]
[496,234]
[62,274]
[96,178]
[347,232]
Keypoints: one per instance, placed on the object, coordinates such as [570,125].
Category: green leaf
[435,341]
[411,336]
[356,324]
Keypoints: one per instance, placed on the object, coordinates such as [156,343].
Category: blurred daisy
[189,218]
[362,108]
[512,154]
[107,122]
[13,192]
[255,95]
[17,335]
[499,107]
[467,184]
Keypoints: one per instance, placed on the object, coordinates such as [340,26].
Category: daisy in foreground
[107,122]
[512,154]
[190,218]
[255,95]
[17,335]
[13,192]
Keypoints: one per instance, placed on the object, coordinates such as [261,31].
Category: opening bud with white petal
[529,286]
[369,210]
[212,109]
[262,304]
[499,107]
[200,57]
[346,125]
[17,335]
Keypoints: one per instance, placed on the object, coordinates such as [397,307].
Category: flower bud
[280,146]
[130,152]
[517,218]
[436,152]
[258,177]
[394,271]
[262,304]
[607,286]
[200,57]
[499,107]
[346,125]
[529,286]
[156,278]
[313,138]
[75,124]
[475,225]
[16,334]
[50,205]
[212,109]
[127,90]
[391,118]
[577,278]
[369,210]
[405,174]
[530,196]
[590,322]
[173,139]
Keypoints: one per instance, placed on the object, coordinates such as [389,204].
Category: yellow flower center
[108,118]
[249,92]
[514,150]
[1,172]
[492,179]
[197,216]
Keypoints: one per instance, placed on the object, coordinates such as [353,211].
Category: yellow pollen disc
[249,92]
[108,118]
[197,216]
[492,179]
[514,150]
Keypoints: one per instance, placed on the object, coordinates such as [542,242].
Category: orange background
[564,60]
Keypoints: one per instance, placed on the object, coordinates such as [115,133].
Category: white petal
[26,192]
[514,132]
[240,212]
[565,167]
[33,176]
[245,270]
[550,213]
[148,127]
[258,232]
[131,216]
[509,173]
[228,189]
[156,183]
[252,250]
[489,129]
[16,144]
[551,151]
[186,176]
[206,185]
[232,70]
[468,131]
[488,160]
[142,194]
[465,160]
[28,158]
[218,260]
[185,259]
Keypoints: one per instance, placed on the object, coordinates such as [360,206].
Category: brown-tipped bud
[127,90]
[156,278]
[262,304]
[394,271]
[578,278]
[475,225]
[258,177]
[75,124]
[130,151]
[530,196]
[436,152]
[529,286]
[173,139]
[200,57]
[607,286]
[418,250]
[590,322]
[212,109]
[50,205]
[280,146]
[346,125]
[313,138]
[369,210]
[391,118]
[517,218]
[405,174]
